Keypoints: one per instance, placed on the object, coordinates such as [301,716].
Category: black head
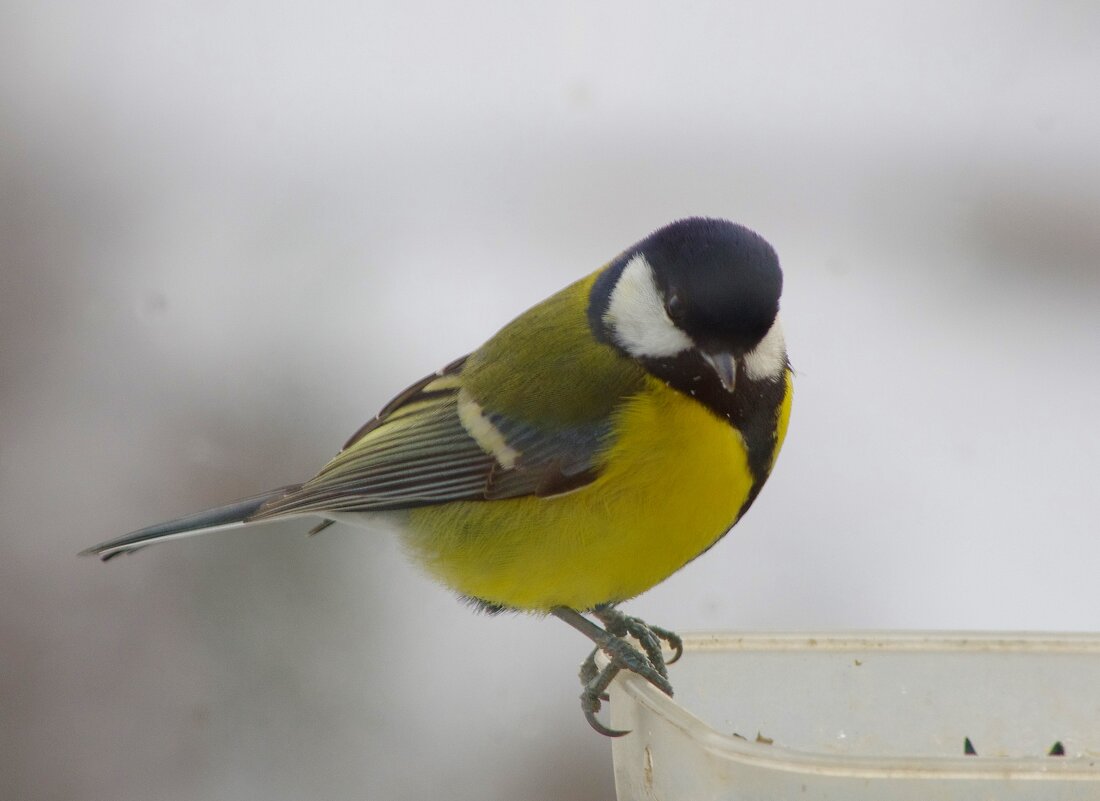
[704,284]
[720,282]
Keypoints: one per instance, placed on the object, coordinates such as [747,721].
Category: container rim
[727,746]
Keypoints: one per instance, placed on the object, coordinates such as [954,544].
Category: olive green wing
[529,413]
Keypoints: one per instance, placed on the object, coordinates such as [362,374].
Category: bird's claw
[649,636]
[648,663]
[673,640]
[621,655]
[593,696]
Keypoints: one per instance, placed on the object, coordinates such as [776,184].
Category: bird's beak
[725,365]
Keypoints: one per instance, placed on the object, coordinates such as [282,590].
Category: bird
[587,451]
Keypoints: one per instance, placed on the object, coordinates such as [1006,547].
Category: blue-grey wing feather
[418,452]
[550,462]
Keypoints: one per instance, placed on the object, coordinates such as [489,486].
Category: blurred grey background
[230,232]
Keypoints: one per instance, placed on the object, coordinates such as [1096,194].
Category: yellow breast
[671,485]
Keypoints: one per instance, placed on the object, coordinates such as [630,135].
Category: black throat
[752,408]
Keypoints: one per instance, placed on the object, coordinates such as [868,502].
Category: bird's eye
[674,307]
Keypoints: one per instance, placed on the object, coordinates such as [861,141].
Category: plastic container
[869,716]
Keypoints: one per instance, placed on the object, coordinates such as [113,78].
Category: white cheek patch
[769,358]
[636,315]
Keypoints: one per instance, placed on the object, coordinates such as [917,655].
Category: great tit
[591,448]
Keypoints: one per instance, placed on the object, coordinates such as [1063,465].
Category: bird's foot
[650,637]
[621,655]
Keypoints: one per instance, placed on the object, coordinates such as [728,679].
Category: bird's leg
[621,656]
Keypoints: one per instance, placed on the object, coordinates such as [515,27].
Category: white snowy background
[229,232]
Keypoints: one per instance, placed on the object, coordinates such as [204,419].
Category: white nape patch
[636,315]
[769,358]
[483,431]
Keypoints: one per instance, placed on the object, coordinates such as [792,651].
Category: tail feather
[233,515]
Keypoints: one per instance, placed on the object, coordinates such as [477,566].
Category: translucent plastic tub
[869,716]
